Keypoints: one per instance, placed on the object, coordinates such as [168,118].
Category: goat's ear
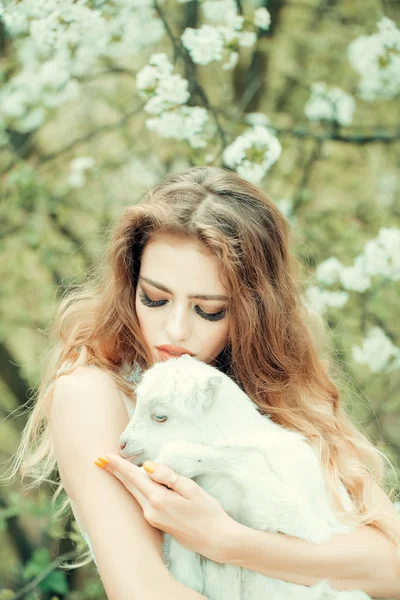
[211,386]
[206,391]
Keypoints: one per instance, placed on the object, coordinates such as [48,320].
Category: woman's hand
[188,513]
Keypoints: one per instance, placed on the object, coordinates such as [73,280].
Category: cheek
[146,322]
[215,337]
[223,332]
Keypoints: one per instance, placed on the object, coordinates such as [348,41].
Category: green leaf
[55,582]
[40,560]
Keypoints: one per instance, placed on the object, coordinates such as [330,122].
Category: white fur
[264,476]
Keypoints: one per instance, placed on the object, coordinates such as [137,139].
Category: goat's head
[174,402]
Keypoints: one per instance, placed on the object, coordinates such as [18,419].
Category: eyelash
[208,316]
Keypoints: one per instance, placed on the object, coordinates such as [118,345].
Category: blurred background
[100,99]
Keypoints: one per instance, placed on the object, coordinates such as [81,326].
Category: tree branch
[39,578]
[180,50]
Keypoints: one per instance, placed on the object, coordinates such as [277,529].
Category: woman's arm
[363,559]
[87,417]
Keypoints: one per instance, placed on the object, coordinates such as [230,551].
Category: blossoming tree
[100,98]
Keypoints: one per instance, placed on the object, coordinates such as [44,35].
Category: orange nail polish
[104,459]
[150,466]
[99,464]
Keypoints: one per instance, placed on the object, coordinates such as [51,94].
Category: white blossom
[285,205]
[233,40]
[380,257]
[262,18]
[236,22]
[331,104]
[143,170]
[257,118]
[376,58]
[208,42]
[389,241]
[219,10]
[146,80]
[376,351]
[170,91]
[204,44]
[167,94]
[162,88]
[78,168]
[356,277]
[59,41]
[328,272]
[134,27]
[32,120]
[247,38]
[319,299]
[376,259]
[253,153]
[183,123]
[27,95]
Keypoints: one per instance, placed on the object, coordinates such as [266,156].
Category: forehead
[182,265]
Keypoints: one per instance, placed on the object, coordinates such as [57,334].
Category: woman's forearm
[364,559]
[376,588]
[365,556]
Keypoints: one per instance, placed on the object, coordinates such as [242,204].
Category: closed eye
[159,418]
[158,303]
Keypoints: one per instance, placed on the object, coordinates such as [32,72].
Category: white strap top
[134,375]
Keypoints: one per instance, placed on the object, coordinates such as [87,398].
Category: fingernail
[102,461]
[150,466]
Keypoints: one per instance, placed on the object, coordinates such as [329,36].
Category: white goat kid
[264,476]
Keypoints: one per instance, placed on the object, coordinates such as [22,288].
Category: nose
[122,441]
[177,326]
[127,448]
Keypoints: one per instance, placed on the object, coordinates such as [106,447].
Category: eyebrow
[162,287]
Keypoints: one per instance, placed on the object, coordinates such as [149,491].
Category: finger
[131,476]
[163,474]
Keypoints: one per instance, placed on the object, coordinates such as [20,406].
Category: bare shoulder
[86,387]
[87,417]
[84,377]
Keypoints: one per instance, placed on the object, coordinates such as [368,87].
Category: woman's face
[185,268]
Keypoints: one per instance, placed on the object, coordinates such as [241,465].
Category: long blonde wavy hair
[277,350]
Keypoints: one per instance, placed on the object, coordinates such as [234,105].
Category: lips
[165,355]
[174,350]
[167,351]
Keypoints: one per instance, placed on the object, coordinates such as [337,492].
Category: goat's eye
[159,418]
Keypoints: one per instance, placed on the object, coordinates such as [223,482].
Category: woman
[205,232]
